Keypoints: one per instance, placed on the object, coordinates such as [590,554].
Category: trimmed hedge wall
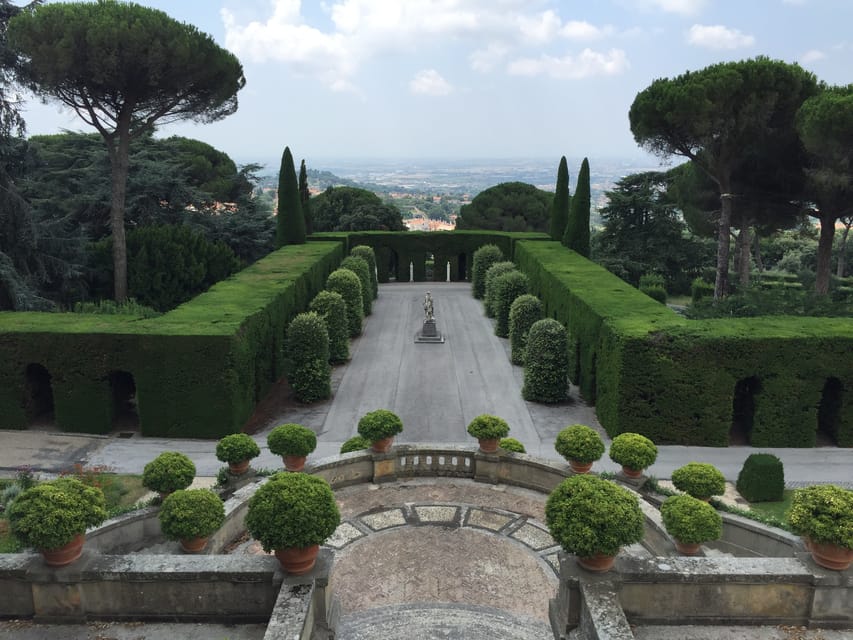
[653,372]
[198,370]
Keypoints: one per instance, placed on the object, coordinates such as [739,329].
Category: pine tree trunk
[721,285]
[118,154]
[824,253]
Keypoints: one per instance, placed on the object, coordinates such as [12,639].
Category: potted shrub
[634,452]
[823,516]
[356,443]
[593,518]
[488,430]
[293,443]
[700,480]
[380,427]
[292,514]
[580,445]
[237,449]
[690,522]
[191,516]
[511,444]
[53,517]
[168,472]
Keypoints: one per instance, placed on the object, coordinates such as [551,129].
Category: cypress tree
[304,197]
[560,206]
[577,229]
[290,222]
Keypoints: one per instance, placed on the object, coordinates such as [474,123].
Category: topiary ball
[356,443]
[511,444]
[580,443]
[291,440]
[168,472]
[379,424]
[699,479]
[762,478]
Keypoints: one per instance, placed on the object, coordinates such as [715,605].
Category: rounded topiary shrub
[307,347]
[237,447]
[292,510]
[484,257]
[580,443]
[330,306]
[655,293]
[291,440]
[346,283]
[359,267]
[546,363]
[633,451]
[168,472]
[379,424]
[699,479]
[356,443]
[494,272]
[507,288]
[690,520]
[588,516]
[511,444]
[525,310]
[762,478]
[369,256]
[699,289]
[823,514]
[487,427]
[191,513]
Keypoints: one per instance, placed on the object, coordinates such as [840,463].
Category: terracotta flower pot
[294,463]
[238,468]
[599,563]
[687,548]
[66,554]
[580,467]
[489,445]
[298,561]
[383,445]
[632,473]
[830,556]
[194,545]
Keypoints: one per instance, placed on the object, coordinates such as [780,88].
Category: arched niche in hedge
[125,411]
[829,411]
[743,410]
[461,268]
[39,393]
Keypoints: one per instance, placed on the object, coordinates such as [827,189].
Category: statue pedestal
[429,333]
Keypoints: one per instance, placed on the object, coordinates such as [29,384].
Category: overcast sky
[475,78]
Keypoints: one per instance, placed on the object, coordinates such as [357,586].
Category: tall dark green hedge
[484,257]
[361,269]
[562,200]
[310,375]
[369,255]
[330,306]
[546,367]
[576,235]
[525,310]
[506,289]
[492,274]
[346,283]
[290,220]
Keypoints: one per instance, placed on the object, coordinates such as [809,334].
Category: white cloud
[429,82]
[812,55]
[718,37]
[681,7]
[587,64]
[485,60]
[582,30]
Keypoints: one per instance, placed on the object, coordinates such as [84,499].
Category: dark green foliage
[524,311]
[305,198]
[546,363]
[356,443]
[487,426]
[576,235]
[292,510]
[781,300]
[129,307]
[700,288]
[506,289]
[562,201]
[360,267]
[699,479]
[510,206]
[762,478]
[347,284]
[379,424]
[367,253]
[353,209]
[580,443]
[691,521]
[587,516]
[168,472]
[290,221]
[484,258]
[291,440]
[823,514]
[237,447]
[493,273]
[655,292]
[633,451]
[191,513]
[511,444]
[330,306]
[307,347]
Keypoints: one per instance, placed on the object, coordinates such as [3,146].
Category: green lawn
[774,509]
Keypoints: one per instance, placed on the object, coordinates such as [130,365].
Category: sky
[431,79]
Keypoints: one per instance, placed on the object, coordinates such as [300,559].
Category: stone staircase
[433,621]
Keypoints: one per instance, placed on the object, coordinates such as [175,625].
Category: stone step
[436,621]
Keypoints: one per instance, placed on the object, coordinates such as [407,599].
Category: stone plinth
[429,333]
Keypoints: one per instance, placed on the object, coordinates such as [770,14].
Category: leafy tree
[825,124]
[562,202]
[353,209]
[305,198]
[124,68]
[509,206]
[576,236]
[290,221]
[717,116]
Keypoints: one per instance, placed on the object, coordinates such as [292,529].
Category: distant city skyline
[488,79]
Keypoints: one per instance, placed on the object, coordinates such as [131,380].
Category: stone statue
[428,308]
